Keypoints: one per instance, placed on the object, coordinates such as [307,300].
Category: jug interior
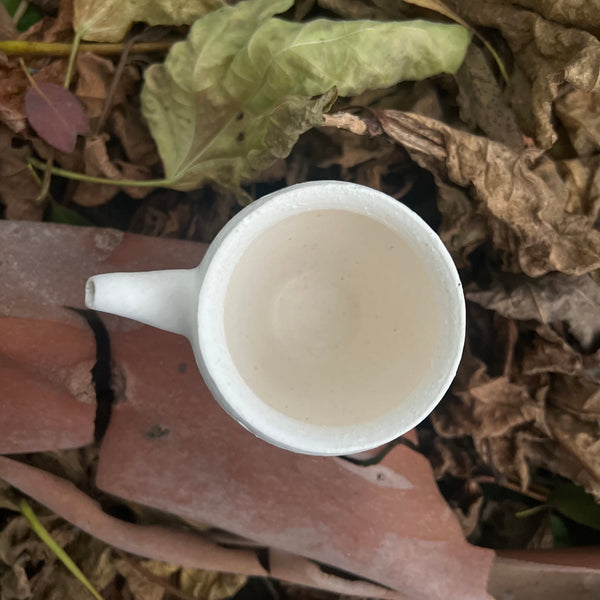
[331,318]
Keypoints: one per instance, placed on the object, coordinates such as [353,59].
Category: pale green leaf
[240,90]
[110,20]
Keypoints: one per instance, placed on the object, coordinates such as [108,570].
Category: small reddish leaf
[56,115]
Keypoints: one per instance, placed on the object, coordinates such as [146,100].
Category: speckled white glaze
[191,303]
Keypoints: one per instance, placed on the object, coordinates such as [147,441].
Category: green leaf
[62,214]
[560,532]
[240,90]
[110,20]
[574,502]
[30,17]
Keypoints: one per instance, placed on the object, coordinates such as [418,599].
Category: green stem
[24,48]
[72,57]
[532,511]
[45,536]
[38,164]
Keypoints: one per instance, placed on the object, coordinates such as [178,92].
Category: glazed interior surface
[331,318]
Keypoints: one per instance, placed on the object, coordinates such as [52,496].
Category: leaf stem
[72,57]
[529,512]
[21,10]
[24,48]
[45,536]
[38,164]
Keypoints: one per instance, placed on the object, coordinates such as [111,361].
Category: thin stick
[511,486]
[45,183]
[23,48]
[21,10]
[352,123]
[113,86]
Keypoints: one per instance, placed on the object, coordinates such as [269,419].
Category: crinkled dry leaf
[482,103]
[550,353]
[14,584]
[555,297]
[525,219]
[95,75]
[491,409]
[237,94]
[582,186]
[98,163]
[210,585]
[109,20]
[578,396]
[14,85]
[8,29]
[353,9]
[128,126]
[546,54]
[584,14]
[579,112]
[18,189]
[580,442]
[138,584]
[51,29]
[54,582]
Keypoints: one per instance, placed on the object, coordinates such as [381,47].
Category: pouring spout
[163,299]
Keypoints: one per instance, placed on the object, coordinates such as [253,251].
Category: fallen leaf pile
[505,168]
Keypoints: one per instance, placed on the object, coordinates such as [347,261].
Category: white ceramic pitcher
[326,318]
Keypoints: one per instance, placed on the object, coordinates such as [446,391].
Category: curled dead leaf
[19,191]
[482,103]
[98,163]
[547,56]
[524,218]
[579,112]
[555,297]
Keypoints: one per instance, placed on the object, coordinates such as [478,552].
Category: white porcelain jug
[326,318]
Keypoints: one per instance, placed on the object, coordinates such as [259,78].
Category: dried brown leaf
[210,585]
[53,29]
[95,76]
[578,396]
[579,455]
[584,14]
[549,299]
[98,163]
[498,406]
[14,584]
[14,86]
[351,150]
[353,9]
[526,221]
[127,124]
[482,103]
[453,457]
[550,353]
[18,189]
[579,112]
[546,54]
[8,29]
[463,229]
[140,586]
[581,179]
